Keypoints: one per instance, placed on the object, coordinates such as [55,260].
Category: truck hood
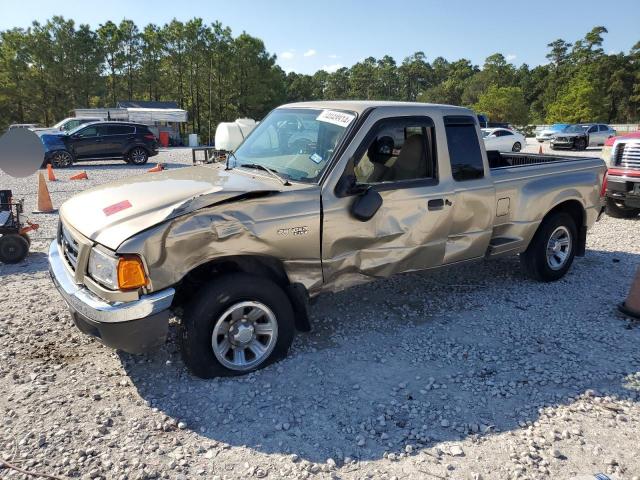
[111,213]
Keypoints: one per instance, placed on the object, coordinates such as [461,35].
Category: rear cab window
[464,148]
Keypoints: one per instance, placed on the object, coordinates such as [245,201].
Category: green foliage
[504,104]
[577,102]
[51,68]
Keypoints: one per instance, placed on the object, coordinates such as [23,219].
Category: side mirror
[366,205]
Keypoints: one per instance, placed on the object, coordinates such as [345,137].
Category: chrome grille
[70,247]
[628,155]
[561,139]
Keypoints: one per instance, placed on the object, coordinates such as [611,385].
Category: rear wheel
[61,159]
[236,324]
[617,209]
[13,248]
[516,147]
[552,249]
[138,156]
[580,144]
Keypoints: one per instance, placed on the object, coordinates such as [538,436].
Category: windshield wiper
[270,171]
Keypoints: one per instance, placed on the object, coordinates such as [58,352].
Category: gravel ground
[468,373]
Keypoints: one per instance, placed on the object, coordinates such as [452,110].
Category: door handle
[435,204]
[98,140]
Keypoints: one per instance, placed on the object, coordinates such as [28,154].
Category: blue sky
[309,35]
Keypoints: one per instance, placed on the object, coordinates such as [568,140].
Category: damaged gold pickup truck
[319,197]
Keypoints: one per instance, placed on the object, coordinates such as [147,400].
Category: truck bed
[507,160]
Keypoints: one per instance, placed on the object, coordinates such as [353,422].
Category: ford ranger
[321,196]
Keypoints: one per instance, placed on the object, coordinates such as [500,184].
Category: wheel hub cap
[244,335]
[558,248]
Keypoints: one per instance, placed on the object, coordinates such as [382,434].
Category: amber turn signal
[131,273]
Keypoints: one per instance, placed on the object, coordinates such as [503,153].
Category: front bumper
[624,186]
[134,327]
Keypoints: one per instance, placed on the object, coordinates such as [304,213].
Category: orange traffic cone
[80,176]
[44,199]
[540,150]
[52,176]
[631,306]
[158,168]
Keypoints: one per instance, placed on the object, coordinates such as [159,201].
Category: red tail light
[603,190]
[150,136]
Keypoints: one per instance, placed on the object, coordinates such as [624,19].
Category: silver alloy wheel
[61,159]
[244,335]
[138,155]
[558,248]
[516,147]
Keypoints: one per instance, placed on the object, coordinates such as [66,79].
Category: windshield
[296,143]
[71,131]
[72,124]
[558,127]
[59,124]
[576,128]
[486,133]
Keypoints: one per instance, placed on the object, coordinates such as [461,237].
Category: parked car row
[576,136]
[132,142]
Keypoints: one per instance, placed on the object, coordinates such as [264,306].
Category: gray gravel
[469,373]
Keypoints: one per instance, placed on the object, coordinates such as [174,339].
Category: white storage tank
[229,135]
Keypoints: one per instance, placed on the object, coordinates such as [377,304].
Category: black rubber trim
[459,120]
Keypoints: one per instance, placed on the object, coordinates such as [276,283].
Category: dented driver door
[396,157]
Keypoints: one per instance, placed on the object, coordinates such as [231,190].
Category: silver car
[583,135]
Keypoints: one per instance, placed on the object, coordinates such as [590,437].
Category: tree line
[48,69]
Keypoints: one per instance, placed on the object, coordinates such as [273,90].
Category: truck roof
[359,106]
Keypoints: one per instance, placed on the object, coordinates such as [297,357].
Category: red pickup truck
[623,176]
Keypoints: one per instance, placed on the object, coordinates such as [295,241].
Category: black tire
[27,238]
[138,156]
[615,210]
[61,159]
[516,147]
[534,260]
[209,305]
[580,144]
[13,248]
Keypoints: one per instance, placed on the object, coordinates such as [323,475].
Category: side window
[603,128]
[593,129]
[88,132]
[506,133]
[464,149]
[120,130]
[401,149]
[102,130]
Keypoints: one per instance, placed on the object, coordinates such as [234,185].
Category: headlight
[103,268]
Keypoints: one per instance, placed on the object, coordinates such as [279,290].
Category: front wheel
[13,248]
[580,144]
[61,159]
[516,147]
[138,156]
[618,210]
[552,249]
[236,324]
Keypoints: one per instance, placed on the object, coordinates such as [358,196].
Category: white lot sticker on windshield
[316,158]
[341,119]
